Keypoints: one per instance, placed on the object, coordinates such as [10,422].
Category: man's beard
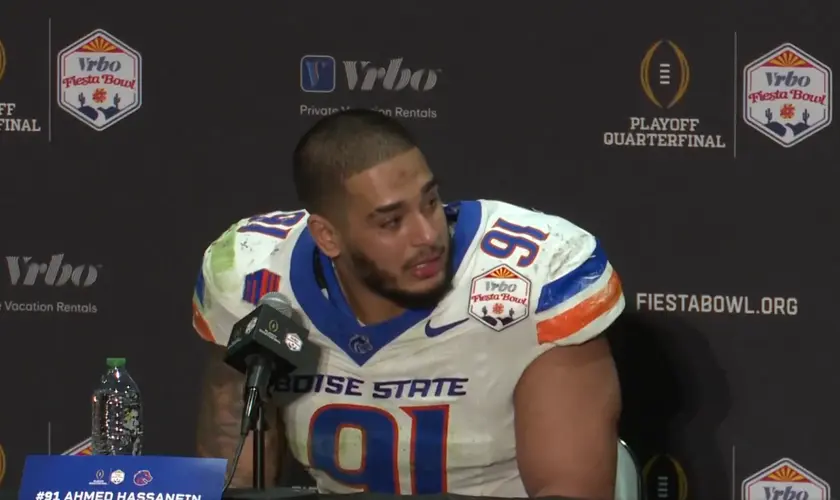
[384,284]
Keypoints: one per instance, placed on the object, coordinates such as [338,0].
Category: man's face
[395,232]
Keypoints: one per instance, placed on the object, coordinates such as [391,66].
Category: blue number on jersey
[379,470]
[273,225]
[502,241]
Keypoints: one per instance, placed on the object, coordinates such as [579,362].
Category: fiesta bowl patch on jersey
[500,298]
[99,80]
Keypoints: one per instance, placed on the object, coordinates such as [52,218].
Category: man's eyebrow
[393,207]
[429,186]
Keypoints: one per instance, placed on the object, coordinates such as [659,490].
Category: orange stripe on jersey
[200,325]
[570,322]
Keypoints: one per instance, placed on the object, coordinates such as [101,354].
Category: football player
[461,344]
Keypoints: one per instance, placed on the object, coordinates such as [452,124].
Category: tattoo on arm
[219,422]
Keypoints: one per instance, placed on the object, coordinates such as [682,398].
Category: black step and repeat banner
[696,140]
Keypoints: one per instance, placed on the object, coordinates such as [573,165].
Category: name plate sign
[104,477]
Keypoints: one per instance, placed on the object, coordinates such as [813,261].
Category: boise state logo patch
[500,297]
[142,477]
[99,80]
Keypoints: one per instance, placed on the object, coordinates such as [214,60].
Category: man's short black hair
[341,145]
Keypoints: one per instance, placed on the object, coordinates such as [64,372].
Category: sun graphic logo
[787,95]
[99,80]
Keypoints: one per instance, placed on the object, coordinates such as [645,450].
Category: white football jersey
[422,403]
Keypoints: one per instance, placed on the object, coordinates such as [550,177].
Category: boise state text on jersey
[420,404]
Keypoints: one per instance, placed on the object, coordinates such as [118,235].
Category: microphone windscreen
[277,301]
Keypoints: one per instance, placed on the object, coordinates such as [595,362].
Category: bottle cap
[115,362]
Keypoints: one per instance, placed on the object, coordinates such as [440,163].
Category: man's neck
[370,308]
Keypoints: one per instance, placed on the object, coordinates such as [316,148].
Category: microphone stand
[259,448]
[258,393]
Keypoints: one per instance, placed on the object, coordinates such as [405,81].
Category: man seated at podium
[462,345]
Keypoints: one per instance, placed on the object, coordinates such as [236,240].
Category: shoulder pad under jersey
[237,270]
[573,292]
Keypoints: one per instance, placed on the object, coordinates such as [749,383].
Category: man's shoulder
[529,264]
[252,248]
[536,245]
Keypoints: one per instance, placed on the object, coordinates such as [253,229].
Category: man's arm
[219,423]
[567,405]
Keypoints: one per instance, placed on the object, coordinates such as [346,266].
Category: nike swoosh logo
[432,331]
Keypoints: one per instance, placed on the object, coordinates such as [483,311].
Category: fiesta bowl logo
[664,478]
[499,298]
[787,95]
[671,77]
[2,60]
[785,480]
[99,79]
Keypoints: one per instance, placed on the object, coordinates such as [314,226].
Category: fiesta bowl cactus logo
[99,80]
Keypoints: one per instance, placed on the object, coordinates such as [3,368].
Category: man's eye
[391,223]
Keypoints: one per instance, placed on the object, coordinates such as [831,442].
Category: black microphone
[264,345]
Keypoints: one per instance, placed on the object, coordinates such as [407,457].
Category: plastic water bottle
[117,413]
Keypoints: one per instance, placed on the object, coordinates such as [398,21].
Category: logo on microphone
[251,325]
[293,342]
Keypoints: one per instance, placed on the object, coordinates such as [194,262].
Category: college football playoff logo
[2,464]
[669,71]
[2,60]
[664,478]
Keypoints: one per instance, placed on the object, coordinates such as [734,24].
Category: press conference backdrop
[696,141]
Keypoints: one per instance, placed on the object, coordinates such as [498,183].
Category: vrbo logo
[394,77]
[319,74]
[790,79]
[500,287]
[24,271]
[89,64]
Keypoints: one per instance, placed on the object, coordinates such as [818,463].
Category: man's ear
[325,235]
